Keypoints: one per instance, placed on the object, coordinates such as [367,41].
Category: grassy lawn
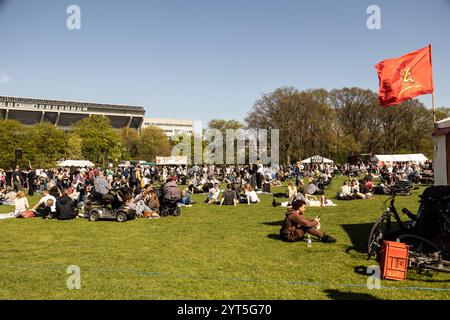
[209,252]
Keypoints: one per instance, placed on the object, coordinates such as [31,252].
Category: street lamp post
[18,156]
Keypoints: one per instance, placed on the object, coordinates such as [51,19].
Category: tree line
[334,124]
[343,122]
[92,138]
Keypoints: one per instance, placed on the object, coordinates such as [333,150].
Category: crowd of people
[65,191]
[143,187]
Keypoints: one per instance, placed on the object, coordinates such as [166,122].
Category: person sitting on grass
[195,186]
[312,188]
[365,187]
[250,195]
[345,192]
[213,195]
[230,178]
[295,225]
[21,205]
[65,207]
[292,192]
[185,199]
[229,196]
[354,186]
[138,204]
[46,207]
[153,200]
[368,183]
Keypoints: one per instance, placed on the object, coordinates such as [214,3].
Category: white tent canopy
[417,157]
[444,123]
[76,163]
[317,159]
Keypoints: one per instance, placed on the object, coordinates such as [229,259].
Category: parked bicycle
[427,234]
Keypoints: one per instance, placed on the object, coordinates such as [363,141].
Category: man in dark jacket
[295,225]
[65,207]
[16,179]
[171,191]
[31,177]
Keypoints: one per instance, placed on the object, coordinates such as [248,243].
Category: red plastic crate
[394,260]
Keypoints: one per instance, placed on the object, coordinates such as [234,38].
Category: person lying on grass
[296,225]
[310,201]
[7,196]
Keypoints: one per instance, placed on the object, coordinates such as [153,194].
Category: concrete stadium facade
[31,111]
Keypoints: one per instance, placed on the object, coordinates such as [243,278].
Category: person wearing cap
[296,225]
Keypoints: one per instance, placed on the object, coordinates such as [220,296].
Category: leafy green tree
[276,110]
[129,142]
[100,142]
[342,122]
[303,118]
[223,125]
[355,109]
[49,145]
[442,113]
[13,136]
[153,142]
[74,146]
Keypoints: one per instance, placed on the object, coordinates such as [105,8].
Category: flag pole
[432,95]
[434,108]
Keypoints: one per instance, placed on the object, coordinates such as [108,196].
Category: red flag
[405,77]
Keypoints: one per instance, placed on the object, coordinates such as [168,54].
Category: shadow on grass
[340,295]
[274,223]
[422,275]
[280,195]
[362,270]
[274,236]
[413,275]
[359,234]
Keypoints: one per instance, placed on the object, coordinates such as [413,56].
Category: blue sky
[203,59]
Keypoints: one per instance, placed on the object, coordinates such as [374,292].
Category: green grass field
[209,252]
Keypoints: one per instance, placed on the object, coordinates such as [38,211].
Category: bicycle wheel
[379,232]
[423,254]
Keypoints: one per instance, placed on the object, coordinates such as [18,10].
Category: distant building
[66,113]
[171,126]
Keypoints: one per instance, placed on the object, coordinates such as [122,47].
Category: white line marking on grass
[200,277]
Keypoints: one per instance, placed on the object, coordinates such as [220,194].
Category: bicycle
[427,234]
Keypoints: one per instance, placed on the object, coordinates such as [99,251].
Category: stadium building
[66,113]
[171,127]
